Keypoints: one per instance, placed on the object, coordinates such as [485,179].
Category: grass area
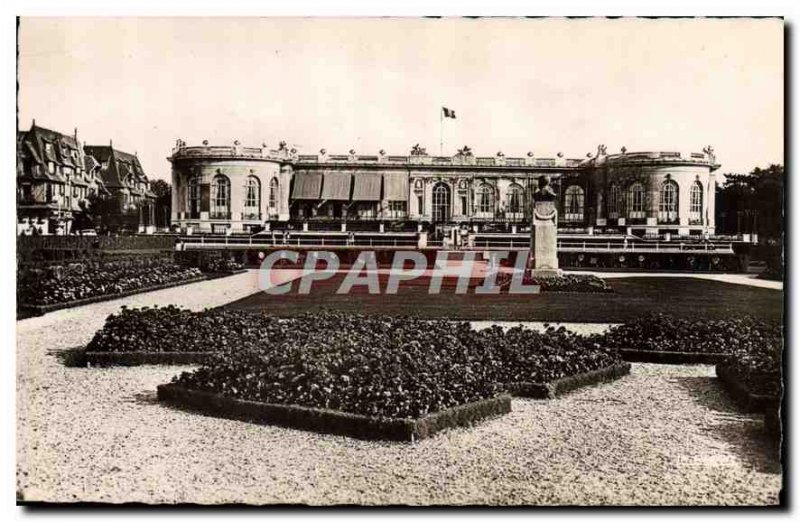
[679,296]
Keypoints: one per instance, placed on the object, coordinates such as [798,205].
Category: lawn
[632,297]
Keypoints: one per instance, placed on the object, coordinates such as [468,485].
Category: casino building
[238,189]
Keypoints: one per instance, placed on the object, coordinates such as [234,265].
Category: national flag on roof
[449,113]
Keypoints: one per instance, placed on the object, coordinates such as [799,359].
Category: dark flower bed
[76,281]
[562,283]
[390,367]
[759,367]
[664,333]
[173,329]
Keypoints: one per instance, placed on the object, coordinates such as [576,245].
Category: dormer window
[48,148]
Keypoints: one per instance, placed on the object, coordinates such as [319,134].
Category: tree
[752,203]
[163,203]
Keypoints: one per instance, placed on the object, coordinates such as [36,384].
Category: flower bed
[584,283]
[80,282]
[664,339]
[332,421]
[297,370]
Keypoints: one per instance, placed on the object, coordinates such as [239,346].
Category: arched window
[484,200]
[668,202]
[696,202]
[514,199]
[573,203]
[441,202]
[636,201]
[614,201]
[252,198]
[194,198]
[220,197]
[273,194]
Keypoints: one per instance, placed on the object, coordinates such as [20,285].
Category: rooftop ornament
[382,152]
[416,150]
[465,151]
[323,151]
[500,154]
[205,143]
[601,150]
[352,152]
[282,145]
[623,150]
[560,154]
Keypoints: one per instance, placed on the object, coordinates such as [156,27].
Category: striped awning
[395,186]
[307,185]
[336,186]
[366,186]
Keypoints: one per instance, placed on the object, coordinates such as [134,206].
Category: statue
[544,231]
[416,150]
[601,150]
[465,151]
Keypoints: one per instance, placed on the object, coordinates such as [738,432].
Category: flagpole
[441,131]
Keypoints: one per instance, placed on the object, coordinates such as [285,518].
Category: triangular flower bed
[332,421]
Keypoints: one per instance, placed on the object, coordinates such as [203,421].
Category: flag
[449,113]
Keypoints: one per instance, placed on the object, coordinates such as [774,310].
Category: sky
[517,85]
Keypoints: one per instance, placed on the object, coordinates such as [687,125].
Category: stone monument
[544,231]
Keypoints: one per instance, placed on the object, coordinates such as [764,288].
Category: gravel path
[663,435]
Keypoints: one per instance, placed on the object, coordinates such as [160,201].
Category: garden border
[39,310]
[552,389]
[750,402]
[663,357]
[331,421]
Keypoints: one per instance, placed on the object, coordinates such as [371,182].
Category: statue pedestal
[544,233]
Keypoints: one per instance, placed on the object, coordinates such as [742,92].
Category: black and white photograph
[400,261]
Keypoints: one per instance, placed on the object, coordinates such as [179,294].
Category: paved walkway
[663,435]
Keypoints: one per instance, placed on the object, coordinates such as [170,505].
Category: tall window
[614,201]
[573,203]
[194,197]
[273,194]
[484,200]
[696,200]
[636,201]
[220,197]
[514,199]
[441,202]
[668,201]
[252,198]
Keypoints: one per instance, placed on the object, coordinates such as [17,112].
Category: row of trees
[752,204]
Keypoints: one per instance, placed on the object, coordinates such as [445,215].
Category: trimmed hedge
[553,389]
[750,401]
[331,421]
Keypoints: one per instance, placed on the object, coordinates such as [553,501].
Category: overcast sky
[545,86]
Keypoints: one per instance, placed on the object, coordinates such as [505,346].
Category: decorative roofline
[419,158]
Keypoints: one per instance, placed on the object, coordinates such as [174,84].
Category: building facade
[233,189]
[57,177]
